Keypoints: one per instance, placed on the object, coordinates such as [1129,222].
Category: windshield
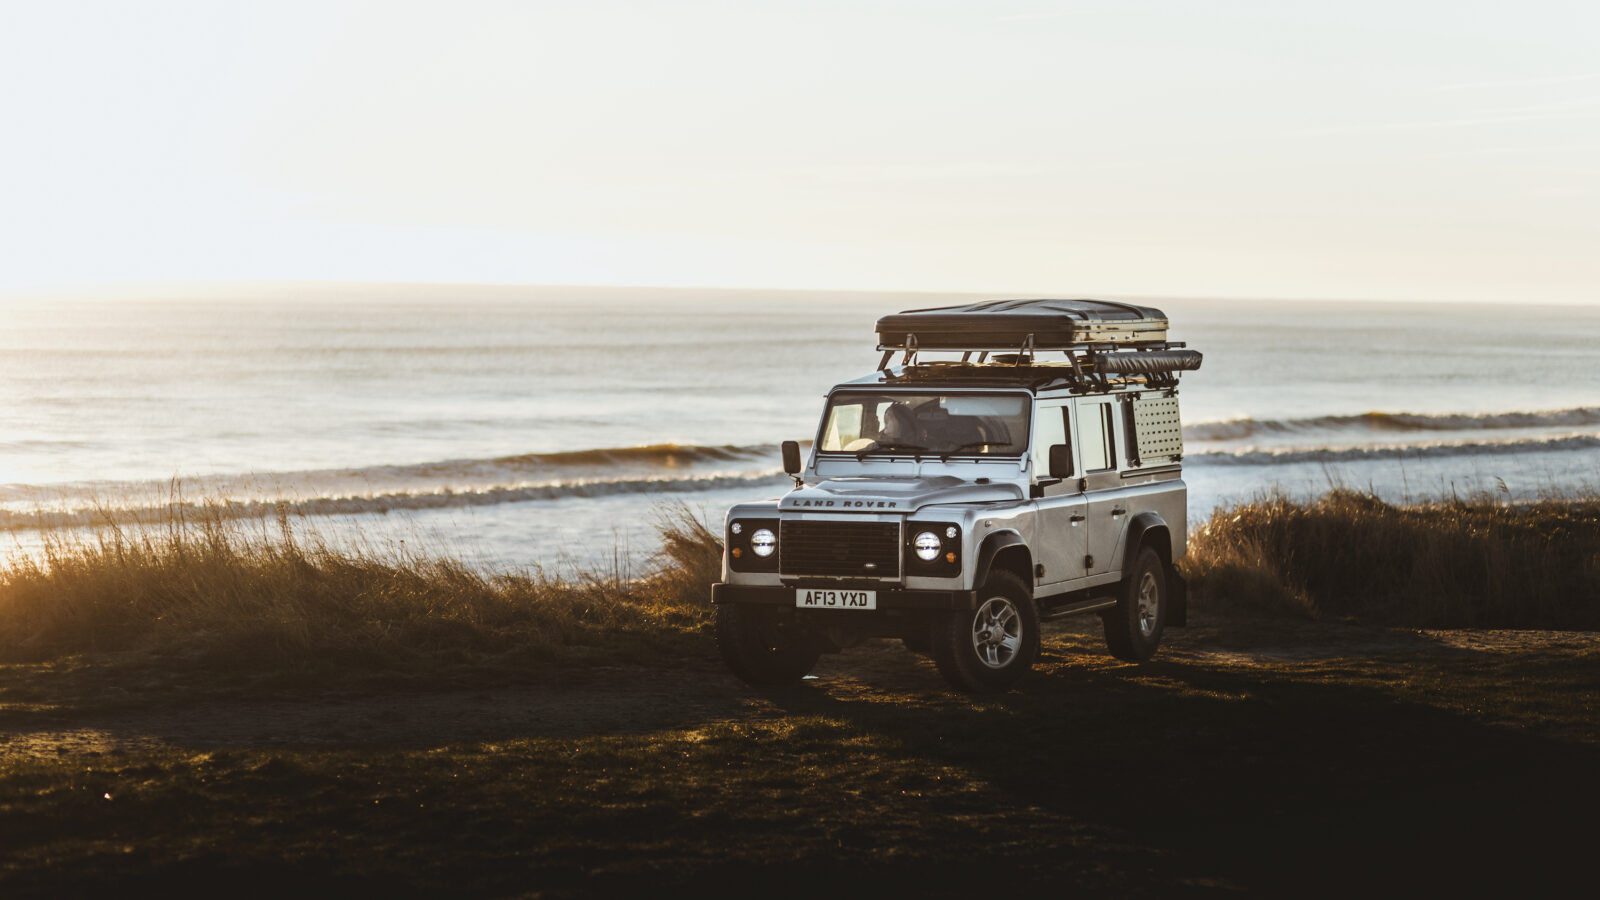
[967,424]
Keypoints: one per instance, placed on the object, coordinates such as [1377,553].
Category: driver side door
[1060,508]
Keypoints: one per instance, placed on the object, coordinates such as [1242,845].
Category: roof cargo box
[1008,324]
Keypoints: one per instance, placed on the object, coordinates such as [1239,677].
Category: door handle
[1075,520]
[1118,511]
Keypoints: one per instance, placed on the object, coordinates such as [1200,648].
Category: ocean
[546,427]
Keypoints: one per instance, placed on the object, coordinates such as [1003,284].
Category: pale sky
[1254,149]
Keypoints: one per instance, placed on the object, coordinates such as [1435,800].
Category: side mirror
[1061,461]
[791,457]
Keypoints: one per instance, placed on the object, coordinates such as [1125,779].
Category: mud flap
[1178,589]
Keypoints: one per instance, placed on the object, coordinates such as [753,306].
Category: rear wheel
[1134,625]
[765,646]
[989,648]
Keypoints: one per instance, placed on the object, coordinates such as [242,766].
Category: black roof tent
[1008,325]
[1101,338]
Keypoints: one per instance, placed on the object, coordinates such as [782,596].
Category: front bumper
[887,599]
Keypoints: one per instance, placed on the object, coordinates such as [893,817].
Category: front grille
[844,549]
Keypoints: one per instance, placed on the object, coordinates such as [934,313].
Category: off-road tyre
[765,646]
[1134,625]
[989,648]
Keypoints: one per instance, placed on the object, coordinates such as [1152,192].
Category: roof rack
[1100,338]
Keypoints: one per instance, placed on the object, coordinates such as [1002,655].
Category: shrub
[1462,563]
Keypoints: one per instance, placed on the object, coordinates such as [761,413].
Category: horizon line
[61,290]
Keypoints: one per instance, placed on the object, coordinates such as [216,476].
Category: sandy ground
[618,700]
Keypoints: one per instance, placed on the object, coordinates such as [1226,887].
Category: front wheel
[1133,626]
[989,648]
[765,646]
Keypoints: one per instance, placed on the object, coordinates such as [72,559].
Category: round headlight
[763,542]
[928,546]
[736,528]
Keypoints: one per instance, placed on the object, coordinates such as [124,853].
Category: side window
[1051,430]
[1097,436]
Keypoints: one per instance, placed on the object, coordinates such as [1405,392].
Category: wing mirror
[792,464]
[1061,461]
[1060,468]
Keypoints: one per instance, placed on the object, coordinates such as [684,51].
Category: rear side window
[1052,427]
[1097,436]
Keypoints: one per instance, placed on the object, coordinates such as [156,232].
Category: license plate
[828,598]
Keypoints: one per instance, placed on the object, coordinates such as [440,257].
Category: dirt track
[617,700]
[1276,758]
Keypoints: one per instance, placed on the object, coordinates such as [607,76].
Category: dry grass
[1473,563]
[1241,760]
[221,596]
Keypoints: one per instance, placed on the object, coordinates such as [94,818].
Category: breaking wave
[457,474]
[668,456]
[443,484]
[1413,451]
[1391,423]
[663,469]
[381,503]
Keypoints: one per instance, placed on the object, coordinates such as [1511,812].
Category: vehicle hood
[878,494]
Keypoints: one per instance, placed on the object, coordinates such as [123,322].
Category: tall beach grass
[1479,562]
[238,598]
[221,593]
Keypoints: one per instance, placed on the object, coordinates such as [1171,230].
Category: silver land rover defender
[958,504]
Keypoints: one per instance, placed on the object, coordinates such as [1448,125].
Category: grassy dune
[266,606]
[599,750]
[1459,564]
[237,605]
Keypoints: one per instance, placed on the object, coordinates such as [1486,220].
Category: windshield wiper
[944,455]
[914,449]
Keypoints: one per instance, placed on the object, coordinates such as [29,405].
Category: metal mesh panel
[1157,432]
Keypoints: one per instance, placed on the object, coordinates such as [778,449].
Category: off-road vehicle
[958,504]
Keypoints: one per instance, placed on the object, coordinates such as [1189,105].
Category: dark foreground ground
[1252,757]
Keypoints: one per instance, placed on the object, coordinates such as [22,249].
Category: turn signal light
[950,557]
[737,552]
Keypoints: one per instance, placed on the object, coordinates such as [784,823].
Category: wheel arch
[1007,551]
[1148,529]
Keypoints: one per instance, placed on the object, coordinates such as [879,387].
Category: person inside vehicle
[899,425]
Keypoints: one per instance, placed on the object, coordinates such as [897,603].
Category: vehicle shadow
[1183,775]
[1283,785]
